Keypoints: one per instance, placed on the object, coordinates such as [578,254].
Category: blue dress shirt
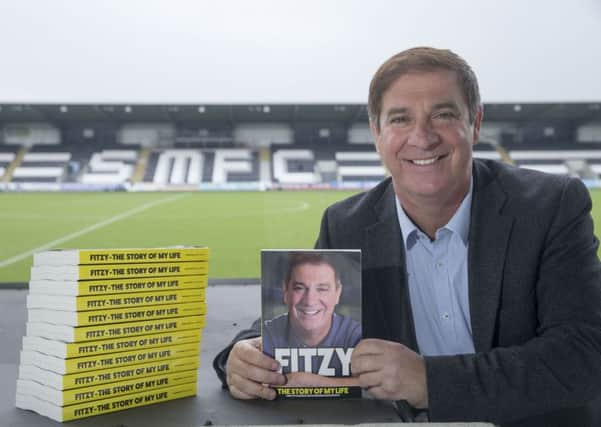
[438,282]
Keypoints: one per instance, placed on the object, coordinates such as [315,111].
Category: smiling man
[424,136]
[312,289]
[481,282]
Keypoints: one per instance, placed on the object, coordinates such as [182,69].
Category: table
[230,308]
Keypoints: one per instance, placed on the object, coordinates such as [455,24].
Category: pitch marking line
[302,207]
[91,228]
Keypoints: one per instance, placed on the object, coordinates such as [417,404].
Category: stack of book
[111,329]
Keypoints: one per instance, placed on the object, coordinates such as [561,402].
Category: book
[68,333]
[104,361]
[76,350]
[94,302]
[110,329]
[120,315]
[107,375]
[86,394]
[311,319]
[103,406]
[61,257]
[115,286]
[117,271]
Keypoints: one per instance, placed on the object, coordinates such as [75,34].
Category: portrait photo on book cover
[311,313]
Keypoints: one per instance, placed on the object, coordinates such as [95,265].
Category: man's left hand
[389,370]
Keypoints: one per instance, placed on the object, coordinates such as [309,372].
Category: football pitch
[234,225]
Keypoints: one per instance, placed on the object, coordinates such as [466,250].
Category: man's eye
[445,115]
[399,120]
[323,289]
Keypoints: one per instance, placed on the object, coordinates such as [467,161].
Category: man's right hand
[250,372]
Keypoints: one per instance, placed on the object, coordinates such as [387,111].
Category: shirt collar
[295,341]
[459,222]
[408,229]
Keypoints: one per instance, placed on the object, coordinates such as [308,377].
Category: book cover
[104,406]
[60,257]
[99,317]
[95,302]
[116,286]
[117,271]
[311,319]
[75,350]
[108,375]
[68,333]
[86,394]
[105,361]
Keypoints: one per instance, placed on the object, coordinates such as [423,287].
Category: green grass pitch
[234,225]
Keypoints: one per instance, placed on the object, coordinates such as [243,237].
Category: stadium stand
[260,147]
[42,166]
[6,160]
[110,167]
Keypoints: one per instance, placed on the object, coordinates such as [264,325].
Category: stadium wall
[332,153]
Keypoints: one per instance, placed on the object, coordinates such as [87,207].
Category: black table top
[230,308]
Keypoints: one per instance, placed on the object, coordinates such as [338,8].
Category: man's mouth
[428,161]
[308,312]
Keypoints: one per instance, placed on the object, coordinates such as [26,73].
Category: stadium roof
[289,113]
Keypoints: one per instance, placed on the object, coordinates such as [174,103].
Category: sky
[287,51]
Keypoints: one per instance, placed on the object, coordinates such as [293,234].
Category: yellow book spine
[87,272]
[115,256]
[140,313]
[139,299]
[129,343]
[85,394]
[106,406]
[87,333]
[99,287]
[90,363]
[97,378]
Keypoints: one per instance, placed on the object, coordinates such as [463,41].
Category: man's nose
[310,296]
[423,135]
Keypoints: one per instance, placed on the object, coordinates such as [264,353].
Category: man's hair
[422,59]
[296,259]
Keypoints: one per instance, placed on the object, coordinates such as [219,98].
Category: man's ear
[375,133]
[285,294]
[477,124]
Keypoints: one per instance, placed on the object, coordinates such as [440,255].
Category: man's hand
[389,370]
[250,372]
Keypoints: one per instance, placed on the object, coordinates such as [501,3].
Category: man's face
[311,296]
[425,137]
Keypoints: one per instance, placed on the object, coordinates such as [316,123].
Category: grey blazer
[534,290]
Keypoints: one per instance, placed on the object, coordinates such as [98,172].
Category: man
[481,282]
[312,290]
